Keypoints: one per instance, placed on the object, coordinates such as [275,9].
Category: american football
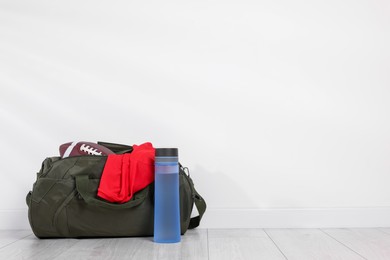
[83,148]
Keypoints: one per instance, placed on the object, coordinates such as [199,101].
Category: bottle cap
[167,152]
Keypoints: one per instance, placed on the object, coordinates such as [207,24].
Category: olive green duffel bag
[63,202]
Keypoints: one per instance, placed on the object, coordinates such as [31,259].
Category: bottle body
[166,197]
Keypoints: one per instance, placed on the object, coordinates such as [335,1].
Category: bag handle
[82,182]
[117,148]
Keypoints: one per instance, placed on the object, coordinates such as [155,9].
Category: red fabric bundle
[125,174]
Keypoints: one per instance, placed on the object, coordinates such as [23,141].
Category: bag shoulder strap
[200,204]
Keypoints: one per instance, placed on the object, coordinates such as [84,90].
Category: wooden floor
[269,244]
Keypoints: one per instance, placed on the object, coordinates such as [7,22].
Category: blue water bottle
[166,196]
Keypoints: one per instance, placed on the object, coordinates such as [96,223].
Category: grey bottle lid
[174,152]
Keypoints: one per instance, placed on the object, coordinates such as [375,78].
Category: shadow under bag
[63,202]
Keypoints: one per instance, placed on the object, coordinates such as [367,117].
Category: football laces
[89,150]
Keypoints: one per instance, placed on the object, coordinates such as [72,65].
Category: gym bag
[63,201]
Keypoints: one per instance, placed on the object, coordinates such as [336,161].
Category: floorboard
[32,248]
[107,248]
[192,246]
[10,236]
[242,244]
[369,243]
[308,244]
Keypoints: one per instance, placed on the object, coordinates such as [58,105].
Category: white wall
[280,108]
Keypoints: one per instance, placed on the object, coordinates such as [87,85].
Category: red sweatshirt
[125,174]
